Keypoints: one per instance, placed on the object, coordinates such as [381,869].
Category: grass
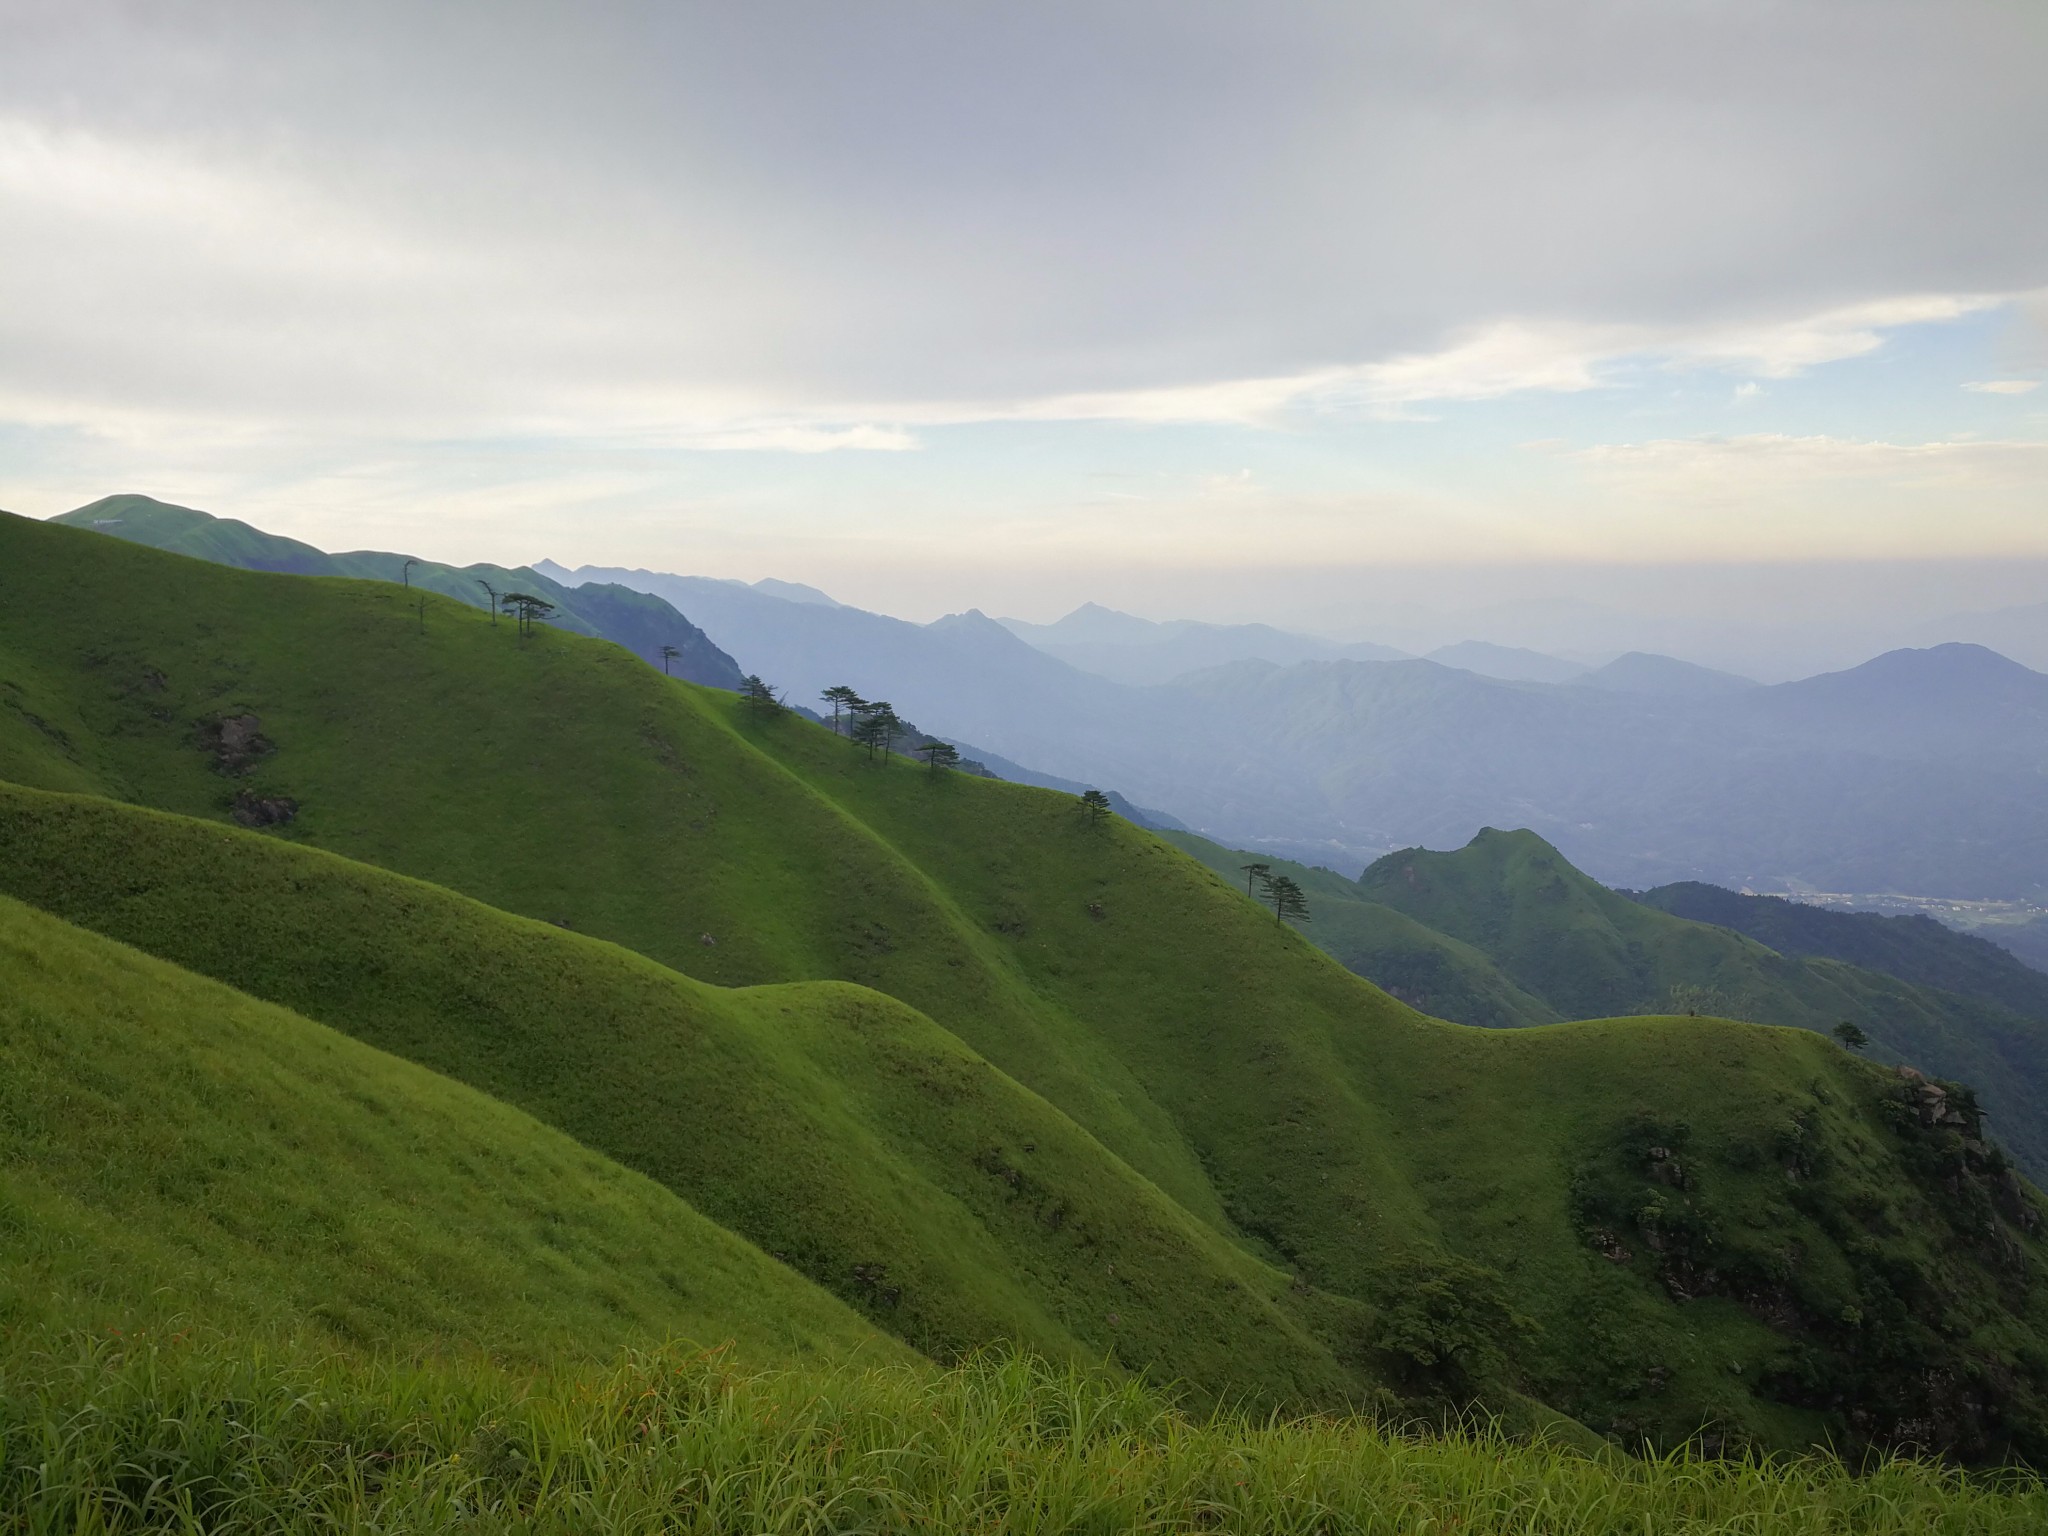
[1430,971]
[1524,938]
[1275,1141]
[830,1125]
[112,1437]
[1587,951]
[175,1156]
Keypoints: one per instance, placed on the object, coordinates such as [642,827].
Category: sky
[1321,314]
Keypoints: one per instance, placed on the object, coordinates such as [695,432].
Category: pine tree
[528,610]
[1288,901]
[762,700]
[1094,806]
[841,697]
[1255,873]
[875,725]
[939,754]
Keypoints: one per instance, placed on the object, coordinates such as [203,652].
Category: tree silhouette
[1288,901]
[1255,873]
[1094,806]
[841,697]
[875,724]
[492,593]
[405,573]
[1851,1036]
[761,699]
[528,610]
[939,754]
[668,654]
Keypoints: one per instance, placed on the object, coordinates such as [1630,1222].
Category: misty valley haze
[1921,771]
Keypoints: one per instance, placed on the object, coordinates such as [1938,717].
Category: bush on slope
[175,1155]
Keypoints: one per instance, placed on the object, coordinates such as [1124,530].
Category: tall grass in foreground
[113,1437]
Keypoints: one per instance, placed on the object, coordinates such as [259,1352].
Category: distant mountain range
[1921,771]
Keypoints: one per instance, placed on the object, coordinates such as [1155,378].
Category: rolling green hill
[1430,971]
[1585,950]
[1916,949]
[641,623]
[834,1127]
[174,1155]
[1705,1222]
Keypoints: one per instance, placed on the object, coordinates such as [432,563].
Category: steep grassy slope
[174,1155]
[832,1126]
[1585,951]
[1427,970]
[1916,949]
[640,622]
[1284,1104]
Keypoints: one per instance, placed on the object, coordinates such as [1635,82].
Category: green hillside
[1916,948]
[835,1128]
[1585,950]
[1706,1223]
[642,624]
[174,1155]
[1427,970]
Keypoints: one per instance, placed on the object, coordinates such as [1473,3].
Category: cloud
[2005,386]
[501,216]
[794,438]
[1780,457]
[1507,358]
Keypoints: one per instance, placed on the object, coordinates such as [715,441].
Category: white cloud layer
[466,253]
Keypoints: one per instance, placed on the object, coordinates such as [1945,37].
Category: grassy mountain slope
[1586,950]
[1913,948]
[1427,970]
[174,1155]
[643,624]
[1284,1104]
[831,1125]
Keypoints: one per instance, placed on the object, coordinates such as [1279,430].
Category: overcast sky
[1218,309]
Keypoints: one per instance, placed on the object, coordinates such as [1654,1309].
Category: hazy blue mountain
[1129,649]
[1510,663]
[2020,632]
[965,676]
[1089,624]
[1920,771]
[794,591]
[641,623]
[1645,672]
